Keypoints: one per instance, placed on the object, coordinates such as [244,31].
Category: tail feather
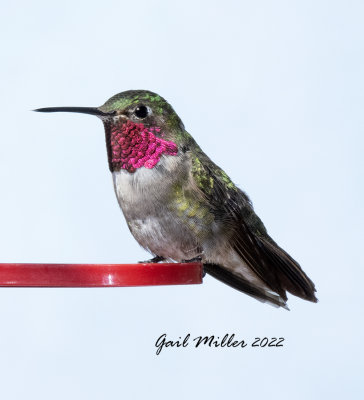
[237,282]
[290,274]
[278,270]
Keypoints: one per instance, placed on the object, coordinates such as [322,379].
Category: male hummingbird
[181,206]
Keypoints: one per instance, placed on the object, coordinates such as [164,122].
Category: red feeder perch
[99,275]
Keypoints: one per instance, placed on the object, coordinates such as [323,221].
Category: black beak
[82,110]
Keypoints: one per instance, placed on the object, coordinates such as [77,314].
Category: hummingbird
[180,206]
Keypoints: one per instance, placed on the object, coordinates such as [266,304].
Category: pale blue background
[273,92]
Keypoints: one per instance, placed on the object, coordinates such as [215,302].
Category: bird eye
[141,111]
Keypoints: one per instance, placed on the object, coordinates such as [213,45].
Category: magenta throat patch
[134,146]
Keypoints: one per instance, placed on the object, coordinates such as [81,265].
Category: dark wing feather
[249,238]
[291,275]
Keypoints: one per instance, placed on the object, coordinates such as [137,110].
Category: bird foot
[195,259]
[155,259]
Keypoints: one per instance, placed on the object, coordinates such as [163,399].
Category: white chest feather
[144,198]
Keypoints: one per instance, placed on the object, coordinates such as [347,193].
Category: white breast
[144,199]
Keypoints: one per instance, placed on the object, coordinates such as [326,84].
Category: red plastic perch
[99,275]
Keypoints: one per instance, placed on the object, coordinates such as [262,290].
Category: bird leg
[195,259]
[155,259]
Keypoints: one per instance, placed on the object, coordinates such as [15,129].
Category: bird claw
[195,259]
[155,259]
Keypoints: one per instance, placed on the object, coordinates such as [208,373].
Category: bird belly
[151,215]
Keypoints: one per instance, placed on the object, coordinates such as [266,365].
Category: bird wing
[249,237]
